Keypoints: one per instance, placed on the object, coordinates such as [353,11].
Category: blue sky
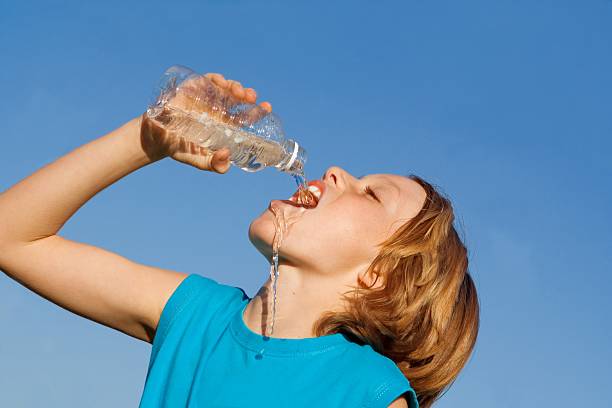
[505,105]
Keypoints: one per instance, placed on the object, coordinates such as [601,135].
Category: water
[247,151]
[305,197]
[281,228]
[282,224]
[200,111]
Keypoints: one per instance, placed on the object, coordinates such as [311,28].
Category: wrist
[129,136]
[143,148]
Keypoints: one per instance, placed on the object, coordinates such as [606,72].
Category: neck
[301,298]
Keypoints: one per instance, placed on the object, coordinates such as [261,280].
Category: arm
[89,281]
[399,403]
[84,279]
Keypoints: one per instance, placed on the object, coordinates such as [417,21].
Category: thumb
[220,161]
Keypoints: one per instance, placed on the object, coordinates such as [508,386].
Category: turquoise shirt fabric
[204,355]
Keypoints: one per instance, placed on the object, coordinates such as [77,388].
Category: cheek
[340,235]
[352,222]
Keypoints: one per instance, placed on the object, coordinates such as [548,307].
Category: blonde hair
[425,315]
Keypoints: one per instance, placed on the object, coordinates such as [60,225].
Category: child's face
[340,234]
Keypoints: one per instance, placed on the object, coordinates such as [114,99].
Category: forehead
[410,193]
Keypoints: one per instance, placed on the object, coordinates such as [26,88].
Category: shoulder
[197,299]
[198,286]
[207,293]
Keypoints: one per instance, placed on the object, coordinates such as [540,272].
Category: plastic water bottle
[193,107]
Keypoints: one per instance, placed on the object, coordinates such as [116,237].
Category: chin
[261,233]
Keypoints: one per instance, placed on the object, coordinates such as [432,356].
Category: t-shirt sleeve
[393,384]
[195,294]
[389,391]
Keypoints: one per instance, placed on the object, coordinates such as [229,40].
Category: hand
[197,95]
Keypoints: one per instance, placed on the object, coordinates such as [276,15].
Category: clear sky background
[506,105]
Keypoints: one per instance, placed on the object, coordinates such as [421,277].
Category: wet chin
[261,234]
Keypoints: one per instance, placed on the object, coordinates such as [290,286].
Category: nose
[337,176]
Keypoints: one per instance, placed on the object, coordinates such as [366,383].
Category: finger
[251,95]
[218,79]
[237,90]
[267,106]
[200,161]
[252,115]
[220,162]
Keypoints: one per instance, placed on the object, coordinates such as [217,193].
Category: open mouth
[309,198]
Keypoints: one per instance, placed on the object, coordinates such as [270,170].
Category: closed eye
[368,190]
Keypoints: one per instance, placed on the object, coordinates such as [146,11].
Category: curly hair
[425,313]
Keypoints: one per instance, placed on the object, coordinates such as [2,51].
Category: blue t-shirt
[204,355]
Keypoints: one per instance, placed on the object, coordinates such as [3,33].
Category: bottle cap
[296,147]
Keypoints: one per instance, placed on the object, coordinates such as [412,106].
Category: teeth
[315,190]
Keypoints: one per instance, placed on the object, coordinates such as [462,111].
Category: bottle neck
[295,158]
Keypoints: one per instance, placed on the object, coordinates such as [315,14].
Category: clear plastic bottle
[193,107]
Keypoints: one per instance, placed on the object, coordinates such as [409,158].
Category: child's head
[412,298]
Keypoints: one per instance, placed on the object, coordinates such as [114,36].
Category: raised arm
[89,281]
